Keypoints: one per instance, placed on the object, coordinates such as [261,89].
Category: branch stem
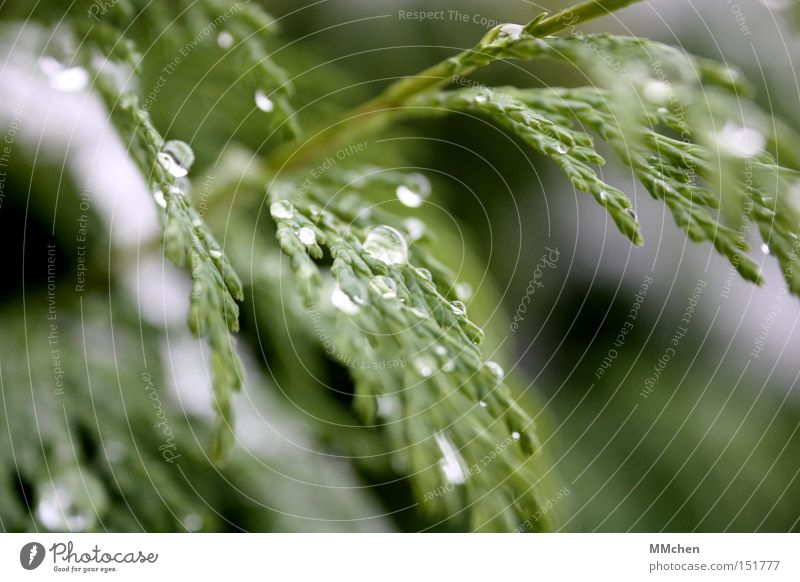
[378,108]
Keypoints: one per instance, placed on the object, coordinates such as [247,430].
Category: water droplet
[281,210]
[343,302]
[385,286]
[387,406]
[464,291]
[513,31]
[458,308]
[482,404]
[451,463]
[449,366]
[215,254]
[631,212]
[424,273]
[515,435]
[158,196]
[765,248]
[425,365]
[496,369]
[171,165]
[603,195]
[181,157]
[307,236]
[662,110]
[740,141]
[657,91]
[71,502]
[415,228]
[561,149]
[225,40]
[193,522]
[440,350]
[420,311]
[481,98]
[416,192]
[263,102]
[387,245]
[61,78]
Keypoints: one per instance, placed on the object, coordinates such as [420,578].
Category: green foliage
[366,274]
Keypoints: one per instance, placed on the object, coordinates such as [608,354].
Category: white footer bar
[402,557]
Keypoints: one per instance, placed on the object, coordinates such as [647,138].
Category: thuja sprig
[445,409]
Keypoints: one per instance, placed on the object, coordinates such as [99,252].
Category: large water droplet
[385,286]
[281,210]
[451,463]
[515,435]
[424,273]
[71,502]
[416,192]
[561,149]
[307,236]
[263,102]
[496,369]
[765,248]
[740,141]
[343,302]
[387,245]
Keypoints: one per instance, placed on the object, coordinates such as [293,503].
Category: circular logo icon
[31,555]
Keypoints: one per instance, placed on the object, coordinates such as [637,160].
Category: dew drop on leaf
[343,302]
[458,308]
[513,31]
[71,501]
[415,228]
[225,40]
[263,102]
[158,196]
[387,245]
[496,369]
[307,236]
[415,192]
[451,463]
[425,365]
[281,210]
[384,286]
[740,141]
[424,273]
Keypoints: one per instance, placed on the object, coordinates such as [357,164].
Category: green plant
[371,275]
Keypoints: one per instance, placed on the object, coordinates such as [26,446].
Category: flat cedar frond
[445,407]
